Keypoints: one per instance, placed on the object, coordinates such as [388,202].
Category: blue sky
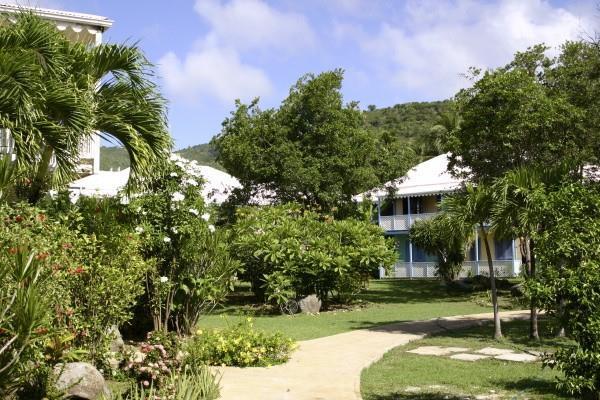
[210,52]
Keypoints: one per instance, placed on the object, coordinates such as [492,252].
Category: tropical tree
[56,93]
[473,207]
[314,149]
[440,236]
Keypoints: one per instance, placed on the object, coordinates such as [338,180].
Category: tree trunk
[561,310]
[35,192]
[497,323]
[533,323]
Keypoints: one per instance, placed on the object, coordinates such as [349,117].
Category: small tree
[440,236]
[473,207]
[569,250]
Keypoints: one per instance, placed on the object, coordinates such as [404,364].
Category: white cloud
[213,71]
[437,41]
[217,66]
[253,24]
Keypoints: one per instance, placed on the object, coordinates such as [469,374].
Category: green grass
[431,377]
[385,301]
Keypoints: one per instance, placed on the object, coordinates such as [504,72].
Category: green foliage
[439,236]
[239,345]
[569,282]
[23,314]
[313,149]
[197,384]
[418,125]
[194,269]
[285,249]
[52,100]
[116,157]
[90,279]
[528,114]
[7,177]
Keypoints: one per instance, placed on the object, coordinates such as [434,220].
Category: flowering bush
[194,270]
[239,345]
[286,250]
[90,280]
[156,361]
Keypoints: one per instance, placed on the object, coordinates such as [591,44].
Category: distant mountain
[116,157]
[412,122]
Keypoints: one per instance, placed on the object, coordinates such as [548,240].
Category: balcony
[402,222]
[416,269]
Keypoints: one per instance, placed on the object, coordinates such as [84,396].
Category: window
[386,207]
[503,249]
[416,205]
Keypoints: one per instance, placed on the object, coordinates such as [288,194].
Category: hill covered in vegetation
[116,157]
[412,122]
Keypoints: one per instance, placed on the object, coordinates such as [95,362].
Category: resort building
[417,196]
[84,28]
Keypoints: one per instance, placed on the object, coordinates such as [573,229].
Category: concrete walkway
[329,368]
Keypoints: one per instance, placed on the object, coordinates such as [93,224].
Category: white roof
[216,188]
[102,183]
[59,15]
[427,178]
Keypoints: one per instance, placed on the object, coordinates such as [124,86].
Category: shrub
[156,361]
[194,269]
[285,250]
[238,345]
[23,317]
[90,281]
[199,384]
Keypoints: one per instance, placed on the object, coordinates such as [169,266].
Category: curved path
[329,368]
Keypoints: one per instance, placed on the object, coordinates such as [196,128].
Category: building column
[378,210]
[477,251]
[516,269]
[410,248]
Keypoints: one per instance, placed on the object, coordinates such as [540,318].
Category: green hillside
[412,122]
[116,157]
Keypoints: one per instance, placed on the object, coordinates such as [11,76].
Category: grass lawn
[400,375]
[385,301]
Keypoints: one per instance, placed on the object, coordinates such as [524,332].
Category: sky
[208,53]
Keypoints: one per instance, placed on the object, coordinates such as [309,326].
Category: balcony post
[514,254]
[410,252]
[477,251]
[378,210]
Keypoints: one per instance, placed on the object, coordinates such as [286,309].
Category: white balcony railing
[402,222]
[417,269]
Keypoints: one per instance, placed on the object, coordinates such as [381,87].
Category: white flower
[174,229]
[211,228]
[164,279]
[173,175]
[194,211]
[124,200]
[52,193]
[189,182]
[167,239]
[139,230]
[206,217]
[177,196]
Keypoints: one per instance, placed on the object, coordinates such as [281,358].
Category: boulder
[310,304]
[81,380]
[116,344]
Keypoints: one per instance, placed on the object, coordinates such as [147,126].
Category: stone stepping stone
[458,349]
[518,357]
[493,351]
[431,351]
[468,357]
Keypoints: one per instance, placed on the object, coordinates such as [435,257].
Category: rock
[81,380]
[310,304]
[116,344]
[517,290]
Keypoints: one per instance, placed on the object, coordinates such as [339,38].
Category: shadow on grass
[395,291]
[540,387]
[416,396]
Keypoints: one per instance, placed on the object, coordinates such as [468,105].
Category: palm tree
[66,92]
[473,207]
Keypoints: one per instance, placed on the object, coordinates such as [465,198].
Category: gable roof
[427,178]
[59,15]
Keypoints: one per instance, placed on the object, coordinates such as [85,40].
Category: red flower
[13,250]
[18,218]
[41,217]
[41,331]
[77,270]
[42,256]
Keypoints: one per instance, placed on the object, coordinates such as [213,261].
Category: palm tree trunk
[35,193]
[533,321]
[497,323]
